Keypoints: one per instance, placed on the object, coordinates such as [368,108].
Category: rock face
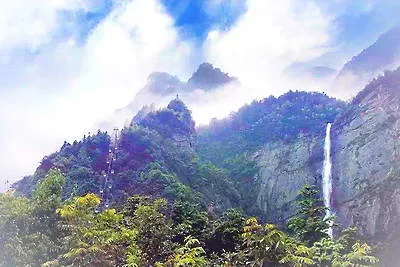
[366,164]
[366,168]
[283,171]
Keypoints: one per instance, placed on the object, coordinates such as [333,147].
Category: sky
[66,64]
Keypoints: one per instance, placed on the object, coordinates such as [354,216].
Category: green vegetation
[160,154]
[155,156]
[175,198]
[231,143]
[282,119]
[145,231]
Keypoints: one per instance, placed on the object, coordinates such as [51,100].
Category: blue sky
[67,64]
[196,18]
[357,22]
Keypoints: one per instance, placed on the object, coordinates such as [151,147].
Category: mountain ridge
[383,54]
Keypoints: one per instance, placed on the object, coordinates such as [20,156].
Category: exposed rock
[366,163]
[207,77]
[284,170]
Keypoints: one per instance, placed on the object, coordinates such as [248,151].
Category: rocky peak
[207,77]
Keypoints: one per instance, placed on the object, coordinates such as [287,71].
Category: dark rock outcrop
[207,77]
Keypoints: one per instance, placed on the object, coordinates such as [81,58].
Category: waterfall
[327,174]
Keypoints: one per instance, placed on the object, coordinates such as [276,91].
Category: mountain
[154,156]
[206,77]
[382,55]
[217,162]
[283,137]
[257,159]
[307,71]
[162,86]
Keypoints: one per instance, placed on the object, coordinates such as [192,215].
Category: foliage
[309,223]
[266,244]
[94,238]
[332,252]
[28,231]
[152,232]
[190,254]
[269,120]
[226,232]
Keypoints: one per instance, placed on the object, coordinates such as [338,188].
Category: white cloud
[61,90]
[267,39]
[27,25]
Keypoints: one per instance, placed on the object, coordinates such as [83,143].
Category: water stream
[327,174]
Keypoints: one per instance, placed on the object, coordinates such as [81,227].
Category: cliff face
[283,171]
[366,168]
[366,163]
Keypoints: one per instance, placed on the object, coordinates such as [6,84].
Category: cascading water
[327,175]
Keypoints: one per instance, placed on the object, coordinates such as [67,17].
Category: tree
[189,219]
[226,232]
[95,239]
[28,227]
[153,231]
[309,223]
[15,224]
[190,254]
[346,250]
[266,245]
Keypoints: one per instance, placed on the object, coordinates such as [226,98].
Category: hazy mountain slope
[307,71]
[382,55]
[161,87]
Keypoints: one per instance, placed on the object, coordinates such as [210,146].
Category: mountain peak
[208,77]
[163,83]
